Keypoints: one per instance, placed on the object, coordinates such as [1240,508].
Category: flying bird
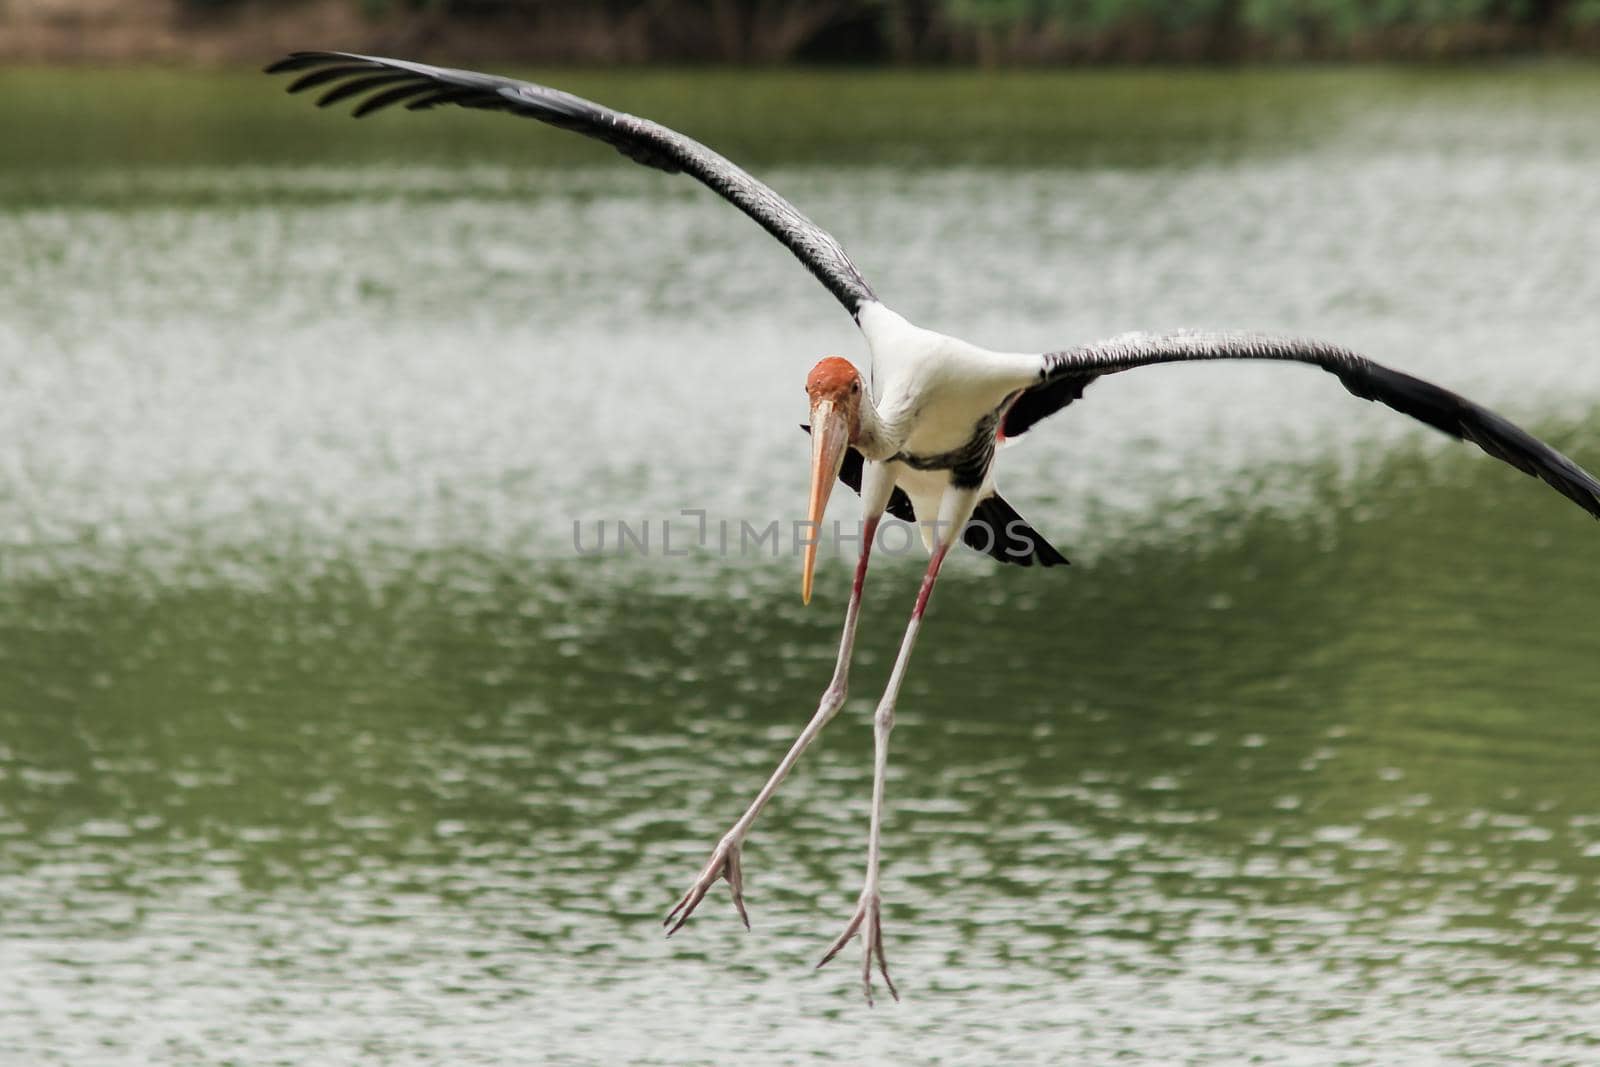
[917,436]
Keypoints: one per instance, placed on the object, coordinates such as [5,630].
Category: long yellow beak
[830,436]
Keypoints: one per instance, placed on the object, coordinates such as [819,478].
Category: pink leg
[867,919]
[724,862]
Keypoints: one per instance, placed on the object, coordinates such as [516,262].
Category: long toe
[843,939]
[734,873]
[883,961]
[724,864]
[868,922]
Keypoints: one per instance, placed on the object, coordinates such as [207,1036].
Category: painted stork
[917,438]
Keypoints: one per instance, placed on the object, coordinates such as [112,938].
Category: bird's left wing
[392,81]
[1064,375]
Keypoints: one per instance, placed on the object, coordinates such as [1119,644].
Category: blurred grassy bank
[982,32]
[83,126]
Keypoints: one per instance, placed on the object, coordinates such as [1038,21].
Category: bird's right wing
[417,85]
[1064,375]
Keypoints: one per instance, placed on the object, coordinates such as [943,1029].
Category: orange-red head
[835,389]
[833,376]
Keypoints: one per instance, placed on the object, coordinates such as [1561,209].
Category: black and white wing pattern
[1064,375]
[384,82]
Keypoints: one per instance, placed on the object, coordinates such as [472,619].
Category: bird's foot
[868,921]
[724,863]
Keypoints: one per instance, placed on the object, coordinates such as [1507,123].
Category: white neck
[875,439]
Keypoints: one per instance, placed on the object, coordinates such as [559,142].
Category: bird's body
[918,436]
[932,390]
[938,402]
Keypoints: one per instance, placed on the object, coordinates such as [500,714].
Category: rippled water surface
[320,742]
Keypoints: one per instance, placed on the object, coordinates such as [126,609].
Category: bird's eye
[855,387]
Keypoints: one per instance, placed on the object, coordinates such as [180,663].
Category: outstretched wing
[385,82]
[1064,374]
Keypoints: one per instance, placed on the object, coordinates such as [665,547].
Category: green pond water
[322,741]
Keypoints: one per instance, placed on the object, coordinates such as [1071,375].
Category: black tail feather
[998,531]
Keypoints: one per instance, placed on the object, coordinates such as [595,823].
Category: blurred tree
[764,30]
[991,31]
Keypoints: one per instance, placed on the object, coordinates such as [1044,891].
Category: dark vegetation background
[987,32]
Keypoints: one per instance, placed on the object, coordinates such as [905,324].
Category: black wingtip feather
[378,101]
[357,86]
[1462,419]
[301,60]
[293,61]
[323,75]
